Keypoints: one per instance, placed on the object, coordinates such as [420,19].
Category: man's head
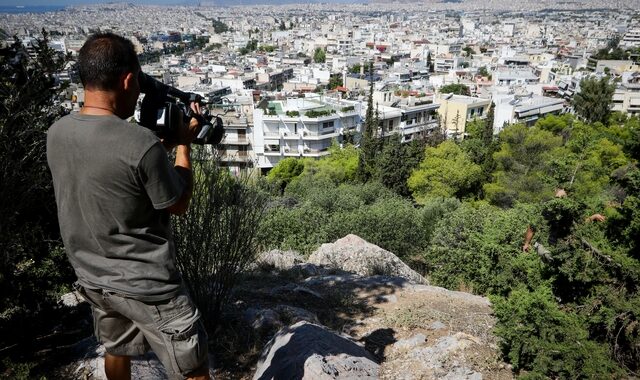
[109,63]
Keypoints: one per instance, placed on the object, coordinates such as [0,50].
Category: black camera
[164,106]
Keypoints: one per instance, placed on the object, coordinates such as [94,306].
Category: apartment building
[301,127]
[527,109]
[626,97]
[456,110]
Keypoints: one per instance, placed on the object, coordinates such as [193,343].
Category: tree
[446,171]
[33,267]
[285,171]
[430,65]
[593,102]
[368,144]
[219,26]
[355,69]
[484,72]
[468,51]
[335,81]
[455,88]
[395,164]
[523,169]
[319,56]
[282,25]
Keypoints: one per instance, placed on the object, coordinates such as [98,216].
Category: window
[328,124]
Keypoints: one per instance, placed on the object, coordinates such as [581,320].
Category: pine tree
[367,142]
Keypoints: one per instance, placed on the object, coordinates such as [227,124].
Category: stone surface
[71,299]
[280,260]
[309,351]
[353,254]
[406,344]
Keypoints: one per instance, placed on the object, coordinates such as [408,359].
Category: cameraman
[115,190]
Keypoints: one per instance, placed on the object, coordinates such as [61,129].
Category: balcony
[236,141]
[234,156]
[308,152]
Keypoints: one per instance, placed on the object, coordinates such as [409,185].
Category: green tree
[219,26]
[319,55]
[538,336]
[523,170]
[396,161]
[446,171]
[468,50]
[285,171]
[339,166]
[282,25]
[484,72]
[368,143]
[593,102]
[455,88]
[430,65]
[335,81]
[33,267]
[355,69]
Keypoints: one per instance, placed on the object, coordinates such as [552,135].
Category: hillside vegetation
[567,303]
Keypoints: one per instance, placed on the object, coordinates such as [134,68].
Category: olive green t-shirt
[113,182]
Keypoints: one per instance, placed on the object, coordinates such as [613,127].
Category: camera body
[165,108]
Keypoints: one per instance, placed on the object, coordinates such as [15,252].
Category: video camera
[163,106]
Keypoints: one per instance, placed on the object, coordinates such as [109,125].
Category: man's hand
[188,132]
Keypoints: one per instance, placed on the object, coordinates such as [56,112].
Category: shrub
[538,336]
[217,238]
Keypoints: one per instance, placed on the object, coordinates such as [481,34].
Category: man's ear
[127,82]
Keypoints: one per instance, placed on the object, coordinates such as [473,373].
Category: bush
[217,238]
[538,336]
[480,246]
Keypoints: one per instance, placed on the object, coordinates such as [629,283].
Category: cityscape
[275,64]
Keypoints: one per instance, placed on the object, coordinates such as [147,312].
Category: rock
[471,298]
[406,344]
[312,352]
[294,288]
[307,269]
[262,319]
[353,254]
[437,325]
[71,299]
[291,314]
[389,298]
[277,259]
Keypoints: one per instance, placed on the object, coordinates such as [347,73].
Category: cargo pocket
[187,346]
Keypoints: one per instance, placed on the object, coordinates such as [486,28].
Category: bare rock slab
[312,352]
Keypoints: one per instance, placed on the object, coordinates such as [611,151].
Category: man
[115,189]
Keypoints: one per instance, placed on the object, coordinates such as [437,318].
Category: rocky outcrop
[277,259]
[353,254]
[312,352]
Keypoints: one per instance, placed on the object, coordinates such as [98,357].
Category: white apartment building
[626,98]
[301,127]
[510,109]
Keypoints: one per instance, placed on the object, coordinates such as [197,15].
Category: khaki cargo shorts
[172,329]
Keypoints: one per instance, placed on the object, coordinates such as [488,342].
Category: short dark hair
[103,58]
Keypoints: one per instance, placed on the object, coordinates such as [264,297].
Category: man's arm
[187,134]
[183,167]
